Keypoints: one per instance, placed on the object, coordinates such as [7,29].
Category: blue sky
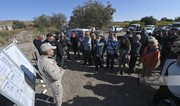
[126,10]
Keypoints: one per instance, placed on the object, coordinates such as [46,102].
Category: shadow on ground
[116,91]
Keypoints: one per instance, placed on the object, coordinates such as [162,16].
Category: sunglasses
[174,46]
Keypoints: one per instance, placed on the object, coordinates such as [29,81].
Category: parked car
[149,29]
[152,26]
[115,28]
[167,27]
[77,31]
[176,25]
[160,28]
[136,33]
[134,27]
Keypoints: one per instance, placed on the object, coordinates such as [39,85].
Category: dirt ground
[85,87]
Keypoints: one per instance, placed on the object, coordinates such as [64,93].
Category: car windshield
[159,29]
[68,34]
[78,33]
[132,26]
[176,25]
[148,28]
[167,26]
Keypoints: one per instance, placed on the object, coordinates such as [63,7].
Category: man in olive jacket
[51,73]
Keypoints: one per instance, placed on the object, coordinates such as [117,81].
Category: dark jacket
[135,49]
[125,45]
[64,42]
[37,44]
[59,46]
[74,40]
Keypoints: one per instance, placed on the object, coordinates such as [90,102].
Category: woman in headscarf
[150,57]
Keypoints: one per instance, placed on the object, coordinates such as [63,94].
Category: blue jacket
[99,47]
[87,44]
[110,46]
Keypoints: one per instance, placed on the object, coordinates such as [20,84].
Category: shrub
[2,41]
[162,23]
[3,33]
[18,25]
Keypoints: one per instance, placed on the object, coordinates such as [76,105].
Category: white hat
[138,37]
[100,34]
[47,46]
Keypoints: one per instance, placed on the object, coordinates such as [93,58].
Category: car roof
[136,31]
[150,25]
[176,23]
[80,29]
[136,24]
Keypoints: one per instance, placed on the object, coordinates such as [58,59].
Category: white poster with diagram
[5,65]
[17,82]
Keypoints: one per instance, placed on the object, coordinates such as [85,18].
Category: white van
[134,27]
[115,28]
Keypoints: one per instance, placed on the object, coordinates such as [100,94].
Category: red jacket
[150,57]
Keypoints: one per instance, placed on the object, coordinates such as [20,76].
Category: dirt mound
[22,37]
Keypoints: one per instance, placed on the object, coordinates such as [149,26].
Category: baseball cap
[47,46]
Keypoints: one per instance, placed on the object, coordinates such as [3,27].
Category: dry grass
[6,22]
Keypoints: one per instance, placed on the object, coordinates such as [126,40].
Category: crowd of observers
[130,50]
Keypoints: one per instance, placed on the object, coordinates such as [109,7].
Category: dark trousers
[66,50]
[102,59]
[87,56]
[98,62]
[76,50]
[132,63]
[60,61]
[110,58]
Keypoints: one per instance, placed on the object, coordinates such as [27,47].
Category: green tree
[166,19]
[149,20]
[18,25]
[58,20]
[42,21]
[92,13]
[177,19]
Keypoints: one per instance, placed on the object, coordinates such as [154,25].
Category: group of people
[128,50]
[164,46]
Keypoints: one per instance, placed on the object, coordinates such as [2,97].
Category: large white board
[20,59]
[14,83]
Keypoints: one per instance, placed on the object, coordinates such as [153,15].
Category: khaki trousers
[57,91]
